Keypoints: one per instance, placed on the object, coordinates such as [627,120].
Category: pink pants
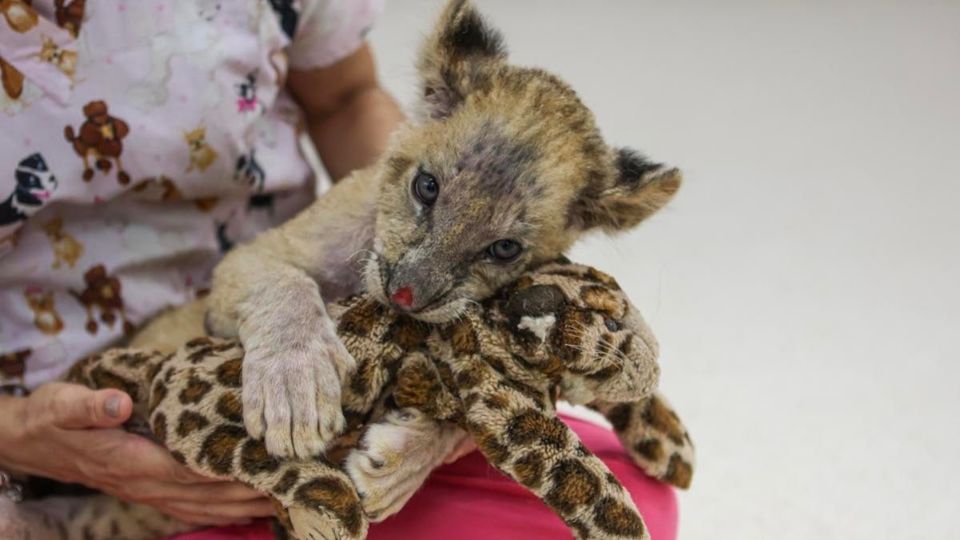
[470,500]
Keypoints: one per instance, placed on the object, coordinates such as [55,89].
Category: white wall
[804,283]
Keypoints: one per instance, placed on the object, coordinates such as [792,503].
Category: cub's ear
[639,189]
[453,61]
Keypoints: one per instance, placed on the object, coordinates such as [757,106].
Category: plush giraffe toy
[562,330]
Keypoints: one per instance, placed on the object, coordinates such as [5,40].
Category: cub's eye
[426,188]
[504,250]
[611,324]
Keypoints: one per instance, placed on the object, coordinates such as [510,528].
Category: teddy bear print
[202,155]
[45,316]
[100,138]
[66,248]
[103,293]
[69,15]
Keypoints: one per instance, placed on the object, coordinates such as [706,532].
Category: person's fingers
[71,406]
[229,511]
[202,520]
[224,492]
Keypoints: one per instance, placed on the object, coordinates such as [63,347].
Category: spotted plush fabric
[562,330]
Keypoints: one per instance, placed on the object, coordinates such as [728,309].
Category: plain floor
[804,283]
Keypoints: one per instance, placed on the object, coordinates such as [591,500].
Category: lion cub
[504,169]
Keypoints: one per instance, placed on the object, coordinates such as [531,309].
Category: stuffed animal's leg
[654,436]
[83,518]
[516,433]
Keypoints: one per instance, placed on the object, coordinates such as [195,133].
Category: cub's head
[506,168]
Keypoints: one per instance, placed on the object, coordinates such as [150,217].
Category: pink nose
[403,297]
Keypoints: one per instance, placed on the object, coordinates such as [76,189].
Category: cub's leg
[653,435]
[513,429]
[396,455]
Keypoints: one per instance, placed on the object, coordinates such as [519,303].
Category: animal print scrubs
[139,139]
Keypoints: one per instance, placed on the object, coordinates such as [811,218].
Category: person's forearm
[357,133]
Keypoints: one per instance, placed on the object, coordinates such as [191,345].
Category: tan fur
[517,157]
[486,374]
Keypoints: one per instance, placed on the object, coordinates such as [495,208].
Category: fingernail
[112,406]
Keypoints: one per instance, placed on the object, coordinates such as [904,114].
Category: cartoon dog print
[202,155]
[247,102]
[63,59]
[70,15]
[34,188]
[45,316]
[102,292]
[249,171]
[66,248]
[100,137]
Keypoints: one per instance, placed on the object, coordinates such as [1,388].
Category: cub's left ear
[640,188]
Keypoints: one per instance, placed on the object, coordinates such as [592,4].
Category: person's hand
[70,433]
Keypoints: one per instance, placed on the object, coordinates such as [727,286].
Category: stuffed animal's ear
[639,188]
[454,57]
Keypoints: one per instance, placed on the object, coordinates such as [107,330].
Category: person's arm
[349,115]
[71,434]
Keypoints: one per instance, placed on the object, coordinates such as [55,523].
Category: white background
[803,284]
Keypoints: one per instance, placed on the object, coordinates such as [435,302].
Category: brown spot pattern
[532,426]
[663,419]
[614,517]
[218,448]
[189,422]
[194,391]
[229,373]
[230,407]
[573,486]
[529,469]
[336,496]
[254,458]
[679,472]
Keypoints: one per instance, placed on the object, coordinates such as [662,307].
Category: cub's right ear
[639,189]
[453,59]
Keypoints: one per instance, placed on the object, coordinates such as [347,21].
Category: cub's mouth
[448,305]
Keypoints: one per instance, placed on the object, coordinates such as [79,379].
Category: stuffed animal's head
[578,321]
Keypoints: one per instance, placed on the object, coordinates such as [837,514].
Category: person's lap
[470,500]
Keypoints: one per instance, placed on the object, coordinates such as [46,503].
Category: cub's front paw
[395,458]
[291,398]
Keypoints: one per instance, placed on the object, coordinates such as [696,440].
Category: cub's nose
[403,297]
